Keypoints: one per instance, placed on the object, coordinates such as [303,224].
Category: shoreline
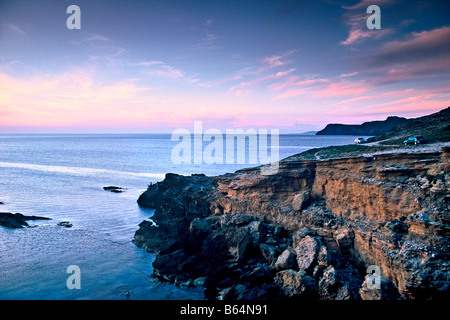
[307,232]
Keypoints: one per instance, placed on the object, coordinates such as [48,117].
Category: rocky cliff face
[309,231]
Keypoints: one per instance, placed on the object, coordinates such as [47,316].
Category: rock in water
[66,224]
[114,189]
[17,220]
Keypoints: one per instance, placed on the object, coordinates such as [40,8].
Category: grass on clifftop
[346,151]
[434,128]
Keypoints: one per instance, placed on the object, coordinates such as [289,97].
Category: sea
[61,176]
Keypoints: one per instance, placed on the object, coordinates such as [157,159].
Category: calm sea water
[61,176]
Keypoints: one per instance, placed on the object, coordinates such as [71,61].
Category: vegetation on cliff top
[435,128]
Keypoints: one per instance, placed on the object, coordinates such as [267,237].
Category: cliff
[370,128]
[314,230]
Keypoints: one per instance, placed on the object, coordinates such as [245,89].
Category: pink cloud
[292,82]
[363,4]
[418,45]
[356,99]
[289,94]
[413,108]
[13,27]
[97,37]
[319,88]
[257,81]
[356,20]
[281,85]
[239,86]
[338,89]
[357,35]
[67,98]
[407,100]
[421,54]
[275,61]
[346,75]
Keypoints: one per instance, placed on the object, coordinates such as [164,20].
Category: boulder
[301,200]
[344,238]
[328,284]
[295,283]
[381,289]
[323,257]
[307,250]
[286,260]
[155,238]
[257,231]
[339,284]
[168,263]
[268,252]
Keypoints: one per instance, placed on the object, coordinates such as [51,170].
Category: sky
[156,66]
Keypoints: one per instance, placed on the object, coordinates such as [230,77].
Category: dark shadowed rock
[268,252]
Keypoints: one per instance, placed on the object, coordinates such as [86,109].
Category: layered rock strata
[310,231]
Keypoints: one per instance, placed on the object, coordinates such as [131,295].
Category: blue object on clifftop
[414,140]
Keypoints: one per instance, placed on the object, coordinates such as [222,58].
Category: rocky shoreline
[315,230]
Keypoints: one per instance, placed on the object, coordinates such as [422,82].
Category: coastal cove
[62,176]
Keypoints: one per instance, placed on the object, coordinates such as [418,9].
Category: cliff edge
[369,227]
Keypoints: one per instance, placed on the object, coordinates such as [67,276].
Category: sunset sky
[155,66]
